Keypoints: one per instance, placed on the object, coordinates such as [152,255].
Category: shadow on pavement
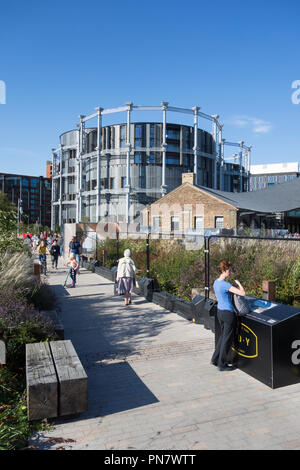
[113,388]
[104,333]
[60,290]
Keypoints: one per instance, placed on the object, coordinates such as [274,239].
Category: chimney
[188,178]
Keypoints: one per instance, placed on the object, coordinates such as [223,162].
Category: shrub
[16,270]
[14,426]
[42,297]
[20,323]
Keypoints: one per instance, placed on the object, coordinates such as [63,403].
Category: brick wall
[187,202]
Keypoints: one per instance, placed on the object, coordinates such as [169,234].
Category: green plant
[42,297]
[16,270]
[15,429]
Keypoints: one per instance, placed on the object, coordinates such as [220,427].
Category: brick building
[192,207]
[189,207]
[33,191]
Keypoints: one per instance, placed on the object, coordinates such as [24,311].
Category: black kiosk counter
[267,343]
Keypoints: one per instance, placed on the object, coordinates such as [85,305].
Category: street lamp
[20,212]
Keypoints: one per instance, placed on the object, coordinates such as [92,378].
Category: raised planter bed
[199,310]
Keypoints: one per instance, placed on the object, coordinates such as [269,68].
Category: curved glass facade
[129,169]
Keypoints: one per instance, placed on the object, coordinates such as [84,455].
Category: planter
[199,310]
[164,299]
[205,311]
[145,288]
[106,273]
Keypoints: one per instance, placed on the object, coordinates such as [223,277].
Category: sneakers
[224,368]
[227,367]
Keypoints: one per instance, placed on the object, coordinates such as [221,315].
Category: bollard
[268,290]
[2,353]
[104,255]
[37,270]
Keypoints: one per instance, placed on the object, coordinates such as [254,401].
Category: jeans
[55,260]
[73,276]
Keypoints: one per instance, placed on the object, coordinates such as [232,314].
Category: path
[151,385]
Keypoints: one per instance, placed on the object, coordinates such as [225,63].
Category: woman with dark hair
[226,315]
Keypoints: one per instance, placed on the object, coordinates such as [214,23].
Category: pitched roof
[281,197]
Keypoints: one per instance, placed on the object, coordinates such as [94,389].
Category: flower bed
[178,271]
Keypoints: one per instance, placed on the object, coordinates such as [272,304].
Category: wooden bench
[57,384]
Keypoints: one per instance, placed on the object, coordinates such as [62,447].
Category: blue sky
[63,58]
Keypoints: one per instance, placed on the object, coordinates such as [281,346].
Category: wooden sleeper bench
[57,384]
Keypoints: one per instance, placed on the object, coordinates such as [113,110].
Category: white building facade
[266,175]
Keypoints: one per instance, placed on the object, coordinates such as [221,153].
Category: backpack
[241,305]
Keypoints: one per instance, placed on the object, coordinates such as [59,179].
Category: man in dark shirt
[54,252]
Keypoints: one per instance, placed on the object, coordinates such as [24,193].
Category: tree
[8,232]
[6,204]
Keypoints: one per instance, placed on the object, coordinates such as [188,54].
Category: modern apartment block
[33,191]
[264,176]
[111,172]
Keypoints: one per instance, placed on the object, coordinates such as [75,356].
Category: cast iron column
[164,105]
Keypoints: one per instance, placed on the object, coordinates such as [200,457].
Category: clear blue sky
[63,58]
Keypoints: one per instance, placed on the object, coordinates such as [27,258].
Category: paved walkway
[151,385]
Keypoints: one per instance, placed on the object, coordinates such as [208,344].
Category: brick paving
[151,385]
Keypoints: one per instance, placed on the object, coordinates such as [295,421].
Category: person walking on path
[60,243]
[226,315]
[73,266]
[126,276]
[75,247]
[55,253]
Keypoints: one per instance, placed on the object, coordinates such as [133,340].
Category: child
[73,266]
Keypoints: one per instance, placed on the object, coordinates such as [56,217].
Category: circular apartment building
[111,172]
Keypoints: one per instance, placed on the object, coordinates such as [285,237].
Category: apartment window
[34,182]
[123,181]
[172,160]
[104,183]
[152,140]
[173,134]
[112,137]
[138,135]
[138,158]
[174,224]
[173,147]
[219,222]
[122,136]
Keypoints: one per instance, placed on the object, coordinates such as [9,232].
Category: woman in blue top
[226,315]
